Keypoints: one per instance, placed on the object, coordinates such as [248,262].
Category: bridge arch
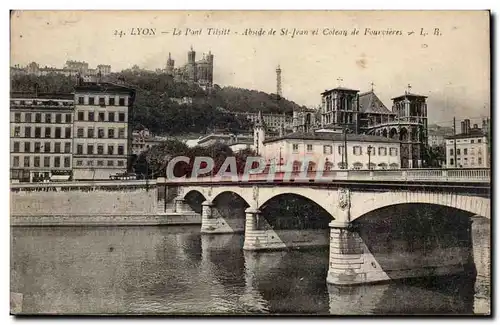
[324,199]
[194,198]
[363,203]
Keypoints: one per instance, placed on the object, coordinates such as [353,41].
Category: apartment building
[41,134]
[469,149]
[101,131]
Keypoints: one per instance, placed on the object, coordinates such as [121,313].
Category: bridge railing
[481,175]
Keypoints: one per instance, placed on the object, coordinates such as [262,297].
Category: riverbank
[106,220]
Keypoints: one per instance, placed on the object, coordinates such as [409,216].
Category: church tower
[259,134]
[170,65]
[191,66]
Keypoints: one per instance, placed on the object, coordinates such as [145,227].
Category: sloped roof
[370,103]
[330,136]
[408,95]
[339,88]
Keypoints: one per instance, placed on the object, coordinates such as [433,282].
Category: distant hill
[155,106]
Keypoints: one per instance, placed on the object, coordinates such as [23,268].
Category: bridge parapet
[469,175]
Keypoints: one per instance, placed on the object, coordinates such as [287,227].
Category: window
[357,150]
[111,134]
[67,133]
[79,133]
[37,146]
[46,147]
[79,163]
[100,149]
[68,118]
[100,133]
[38,117]
[67,147]
[465,151]
[382,151]
[341,150]
[309,148]
[90,163]
[27,132]
[111,101]
[479,140]
[120,150]
[121,117]
[66,162]
[91,100]
[48,132]
[48,118]
[111,116]
[15,161]
[120,163]
[121,133]
[393,152]
[472,141]
[472,161]
[452,162]
[79,149]
[327,150]
[58,133]
[27,147]
[38,132]
[111,149]
[328,166]
[102,101]
[110,163]
[480,160]
[472,151]
[81,100]
[26,161]
[451,151]
[57,147]
[90,132]
[58,118]
[46,161]
[458,151]
[90,149]
[36,161]
[382,166]
[80,116]
[16,147]
[17,131]
[57,161]
[17,117]
[100,163]
[121,101]
[91,116]
[295,147]
[27,117]
[101,116]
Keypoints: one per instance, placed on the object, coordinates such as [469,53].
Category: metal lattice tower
[278,81]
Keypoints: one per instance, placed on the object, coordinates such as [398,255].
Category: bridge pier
[213,221]
[180,206]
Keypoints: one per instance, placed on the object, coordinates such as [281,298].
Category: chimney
[462,127]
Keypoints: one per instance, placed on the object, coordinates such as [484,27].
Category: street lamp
[369,157]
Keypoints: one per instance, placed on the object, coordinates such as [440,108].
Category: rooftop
[473,133]
[23,95]
[370,103]
[407,94]
[104,87]
[331,136]
[338,89]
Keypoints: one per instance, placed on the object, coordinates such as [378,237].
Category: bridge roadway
[348,196]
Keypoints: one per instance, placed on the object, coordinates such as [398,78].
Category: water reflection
[177,270]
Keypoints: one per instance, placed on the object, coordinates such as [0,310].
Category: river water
[144,270]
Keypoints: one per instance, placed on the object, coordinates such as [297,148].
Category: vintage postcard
[250,162]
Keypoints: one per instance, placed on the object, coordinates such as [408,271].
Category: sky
[451,68]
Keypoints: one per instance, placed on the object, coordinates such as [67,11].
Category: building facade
[469,149]
[326,150]
[41,134]
[200,72]
[71,68]
[101,131]
[274,122]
